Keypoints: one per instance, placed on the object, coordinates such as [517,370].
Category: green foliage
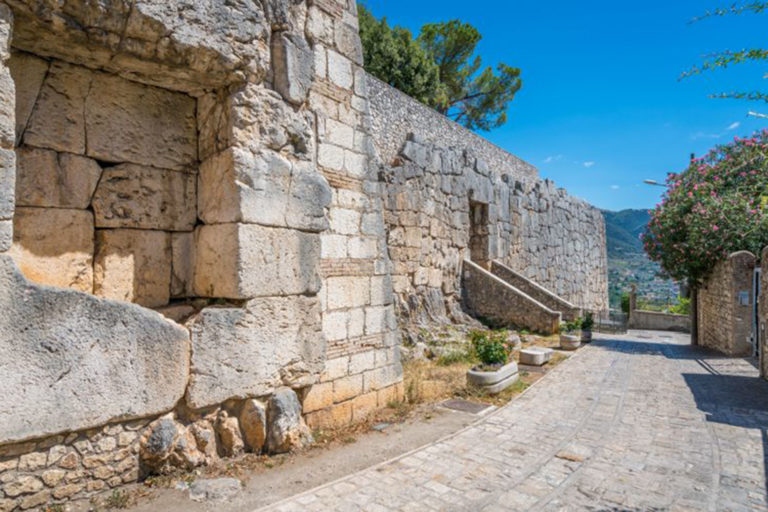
[471,95]
[722,60]
[588,322]
[683,307]
[393,56]
[440,68]
[625,303]
[715,207]
[572,326]
[491,347]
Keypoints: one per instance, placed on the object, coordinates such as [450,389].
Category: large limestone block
[28,73]
[54,246]
[57,121]
[293,66]
[183,264]
[7,110]
[59,180]
[130,122]
[262,188]
[242,261]
[70,361]
[133,265]
[135,196]
[250,351]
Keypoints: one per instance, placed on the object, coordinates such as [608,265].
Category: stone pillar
[7,131]
[632,299]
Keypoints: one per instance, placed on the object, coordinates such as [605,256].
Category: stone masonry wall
[530,226]
[725,323]
[211,161]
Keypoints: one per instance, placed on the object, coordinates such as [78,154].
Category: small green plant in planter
[570,337]
[495,371]
[586,327]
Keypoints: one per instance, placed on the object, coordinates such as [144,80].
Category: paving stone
[626,425]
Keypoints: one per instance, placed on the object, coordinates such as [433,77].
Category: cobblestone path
[640,422]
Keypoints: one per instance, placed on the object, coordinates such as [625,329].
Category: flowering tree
[715,207]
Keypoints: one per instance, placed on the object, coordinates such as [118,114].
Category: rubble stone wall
[725,320]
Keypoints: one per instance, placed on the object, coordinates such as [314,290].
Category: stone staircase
[507,297]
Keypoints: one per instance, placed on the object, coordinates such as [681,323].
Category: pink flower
[715,228]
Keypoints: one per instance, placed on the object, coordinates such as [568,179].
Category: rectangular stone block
[135,196]
[250,351]
[262,188]
[28,73]
[347,292]
[241,261]
[535,356]
[133,265]
[7,110]
[130,122]
[358,363]
[54,246]
[347,387]
[70,361]
[364,405]
[182,264]
[59,180]
[318,397]
[335,369]
[336,416]
[335,325]
[57,120]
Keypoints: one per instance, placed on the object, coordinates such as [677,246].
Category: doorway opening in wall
[478,233]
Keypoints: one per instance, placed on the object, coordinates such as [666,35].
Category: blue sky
[601,107]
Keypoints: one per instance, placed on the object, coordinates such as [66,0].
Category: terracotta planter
[586,336]
[494,382]
[570,341]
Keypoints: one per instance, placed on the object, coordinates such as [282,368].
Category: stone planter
[586,336]
[493,382]
[535,356]
[570,341]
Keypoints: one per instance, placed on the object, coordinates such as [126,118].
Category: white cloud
[615,187]
[702,135]
[733,126]
[589,164]
[553,158]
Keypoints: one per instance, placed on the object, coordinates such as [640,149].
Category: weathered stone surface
[262,188]
[229,435]
[58,180]
[130,122]
[227,255]
[135,196]
[167,445]
[235,353]
[286,430]
[57,121]
[183,264]
[6,235]
[7,183]
[292,66]
[28,73]
[65,347]
[253,422]
[7,111]
[133,265]
[54,246]
[205,437]
[215,490]
[169,44]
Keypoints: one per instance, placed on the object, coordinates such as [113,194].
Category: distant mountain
[627,262]
[623,231]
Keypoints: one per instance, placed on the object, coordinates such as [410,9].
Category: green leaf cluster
[491,347]
[440,68]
